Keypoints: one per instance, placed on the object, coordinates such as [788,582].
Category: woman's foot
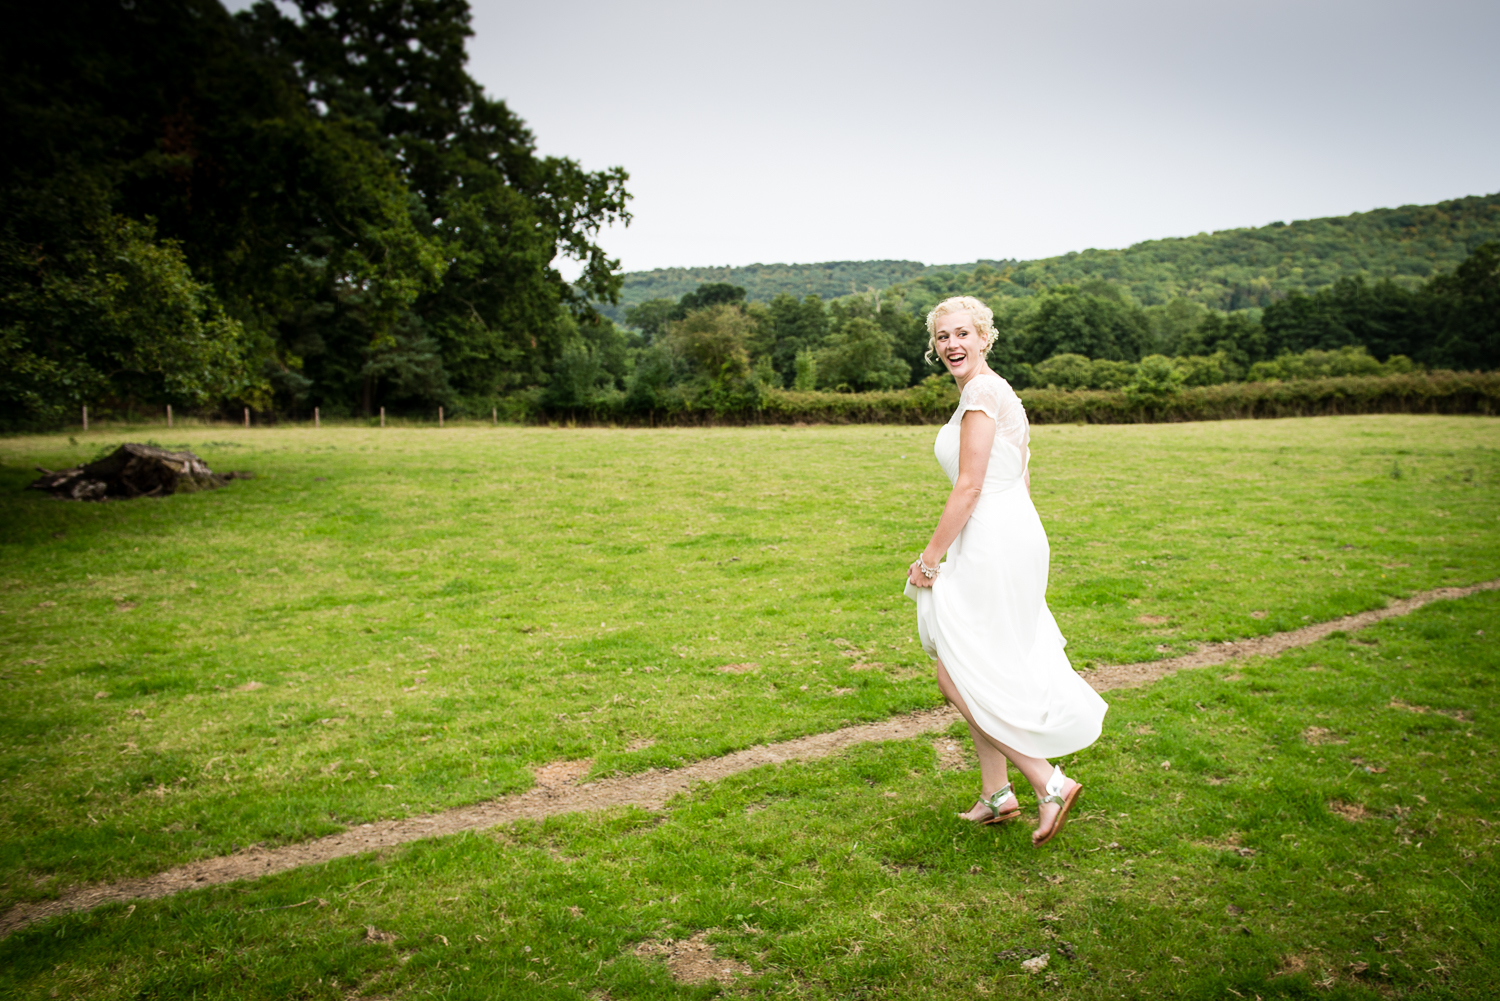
[1053,807]
[996,808]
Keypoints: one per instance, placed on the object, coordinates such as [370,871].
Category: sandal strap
[1054,787]
[999,797]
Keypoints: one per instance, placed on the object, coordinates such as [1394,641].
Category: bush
[1075,371]
[1204,370]
[932,402]
[1349,360]
[1414,393]
[1156,380]
[1065,371]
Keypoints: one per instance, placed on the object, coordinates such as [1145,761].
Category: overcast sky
[947,131]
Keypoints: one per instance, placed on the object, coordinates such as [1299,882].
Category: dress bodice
[1012,449]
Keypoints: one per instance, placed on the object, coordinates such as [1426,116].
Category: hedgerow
[933,401]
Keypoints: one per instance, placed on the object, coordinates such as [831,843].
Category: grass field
[391,622]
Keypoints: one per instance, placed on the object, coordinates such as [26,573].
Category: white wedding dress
[986,615]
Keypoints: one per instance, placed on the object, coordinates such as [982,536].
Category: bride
[982,614]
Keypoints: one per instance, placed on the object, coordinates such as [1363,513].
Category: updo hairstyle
[984,322]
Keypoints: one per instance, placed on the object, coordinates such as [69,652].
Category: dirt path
[1134,675]
[557,791]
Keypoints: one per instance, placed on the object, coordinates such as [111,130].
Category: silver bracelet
[925,570]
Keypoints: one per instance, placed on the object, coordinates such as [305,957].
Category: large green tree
[329,195]
[1464,308]
[1067,320]
[859,356]
[501,213]
[792,326]
[145,139]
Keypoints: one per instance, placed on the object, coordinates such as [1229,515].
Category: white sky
[947,131]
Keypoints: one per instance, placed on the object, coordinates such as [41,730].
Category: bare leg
[993,772]
[992,775]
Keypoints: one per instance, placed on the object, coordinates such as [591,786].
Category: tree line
[305,204]
[715,344]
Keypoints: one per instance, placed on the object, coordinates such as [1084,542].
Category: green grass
[429,613]
[1326,829]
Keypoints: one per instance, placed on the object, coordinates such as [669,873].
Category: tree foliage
[375,228]
[1089,337]
[860,356]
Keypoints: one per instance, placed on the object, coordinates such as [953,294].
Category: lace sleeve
[993,396]
[984,393]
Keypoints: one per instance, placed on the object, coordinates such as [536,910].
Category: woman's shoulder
[987,384]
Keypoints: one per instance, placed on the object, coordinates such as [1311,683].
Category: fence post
[382,416]
[247,417]
[85,416]
[440,416]
[494,416]
[169,415]
[317,417]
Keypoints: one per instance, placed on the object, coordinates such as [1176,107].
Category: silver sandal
[994,804]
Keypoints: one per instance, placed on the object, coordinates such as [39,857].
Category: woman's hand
[917,578]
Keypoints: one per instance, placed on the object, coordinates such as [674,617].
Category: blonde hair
[984,322]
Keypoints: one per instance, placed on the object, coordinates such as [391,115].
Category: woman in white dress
[982,614]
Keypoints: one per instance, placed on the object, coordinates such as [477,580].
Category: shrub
[932,401]
[1065,371]
[1434,392]
[1204,370]
[1348,360]
[1157,380]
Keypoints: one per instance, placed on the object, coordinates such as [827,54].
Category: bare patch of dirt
[1152,620]
[1458,714]
[692,960]
[1352,812]
[744,668]
[557,774]
[1317,735]
[1289,965]
[952,757]
[558,789]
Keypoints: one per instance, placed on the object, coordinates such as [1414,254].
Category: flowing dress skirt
[986,618]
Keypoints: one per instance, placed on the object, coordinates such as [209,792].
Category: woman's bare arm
[976,436]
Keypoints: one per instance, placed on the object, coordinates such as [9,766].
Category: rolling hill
[1229,269]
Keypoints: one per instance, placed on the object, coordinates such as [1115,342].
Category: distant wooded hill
[1228,270]
[763,282]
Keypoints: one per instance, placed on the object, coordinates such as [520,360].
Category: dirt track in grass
[558,791]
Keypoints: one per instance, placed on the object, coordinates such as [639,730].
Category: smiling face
[960,345]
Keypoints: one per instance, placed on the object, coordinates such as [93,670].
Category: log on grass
[134,470]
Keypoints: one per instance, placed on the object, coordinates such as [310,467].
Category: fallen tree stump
[134,470]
